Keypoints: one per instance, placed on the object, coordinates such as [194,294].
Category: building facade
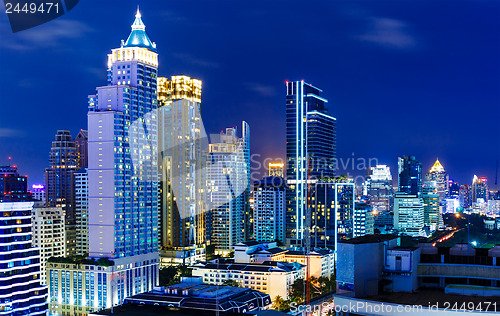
[363,219]
[431,199]
[310,150]
[48,235]
[81,141]
[122,184]
[181,139]
[269,221]
[59,183]
[437,174]
[22,292]
[409,175]
[82,212]
[408,214]
[228,188]
[13,186]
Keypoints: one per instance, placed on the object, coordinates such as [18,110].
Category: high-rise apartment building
[269,221]
[181,140]
[437,174]
[408,214]
[228,188]
[431,198]
[81,212]
[410,175]
[48,234]
[380,192]
[276,169]
[310,149]
[59,189]
[81,142]
[122,185]
[22,293]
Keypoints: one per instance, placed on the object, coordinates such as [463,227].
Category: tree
[231,282]
[297,291]
[172,274]
[280,304]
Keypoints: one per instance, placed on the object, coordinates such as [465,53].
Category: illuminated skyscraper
[438,174]
[122,186]
[13,186]
[276,169]
[410,175]
[269,209]
[181,139]
[380,193]
[82,212]
[430,196]
[59,183]
[81,141]
[310,149]
[228,188]
[479,189]
[408,214]
[22,293]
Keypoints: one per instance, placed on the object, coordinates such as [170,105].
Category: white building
[273,278]
[38,192]
[408,214]
[81,212]
[494,207]
[48,234]
[452,205]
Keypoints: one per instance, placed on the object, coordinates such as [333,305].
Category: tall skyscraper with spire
[310,149]
[122,185]
[437,173]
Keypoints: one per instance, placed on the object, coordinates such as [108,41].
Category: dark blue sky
[402,77]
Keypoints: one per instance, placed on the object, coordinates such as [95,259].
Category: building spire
[138,36]
[437,167]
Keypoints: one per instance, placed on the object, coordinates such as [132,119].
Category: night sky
[415,78]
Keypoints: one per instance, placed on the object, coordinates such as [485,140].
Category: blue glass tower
[123,171]
[410,175]
[310,149]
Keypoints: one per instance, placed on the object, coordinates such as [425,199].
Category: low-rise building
[79,286]
[192,293]
[48,234]
[273,278]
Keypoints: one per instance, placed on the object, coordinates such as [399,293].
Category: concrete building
[192,293]
[48,235]
[408,214]
[276,169]
[361,262]
[319,262]
[273,278]
[38,192]
[184,256]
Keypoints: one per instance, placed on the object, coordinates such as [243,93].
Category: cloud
[191,59]
[262,90]
[52,34]
[10,133]
[389,33]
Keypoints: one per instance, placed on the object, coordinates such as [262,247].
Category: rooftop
[369,239]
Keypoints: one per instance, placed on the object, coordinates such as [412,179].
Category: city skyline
[390,73]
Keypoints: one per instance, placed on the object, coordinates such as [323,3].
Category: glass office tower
[410,175]
[310,149]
